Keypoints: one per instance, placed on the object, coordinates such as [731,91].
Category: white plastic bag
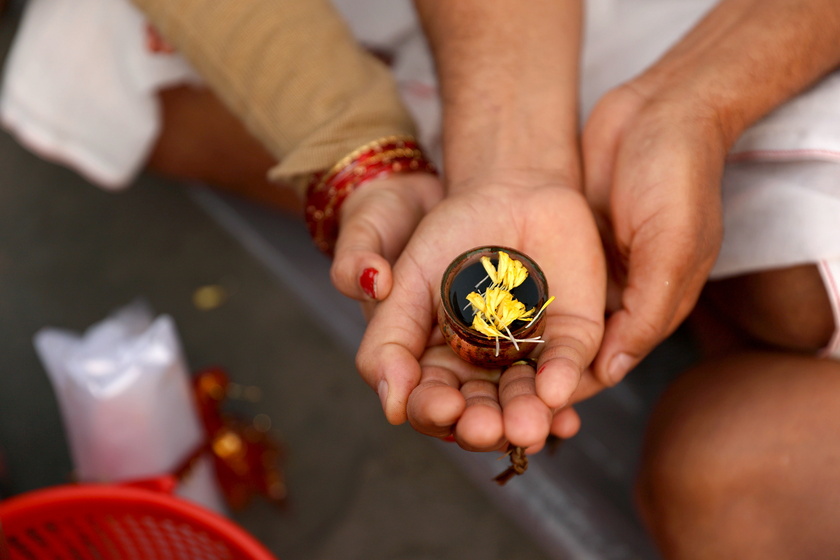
[128,409]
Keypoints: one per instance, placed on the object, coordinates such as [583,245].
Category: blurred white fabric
[79,87]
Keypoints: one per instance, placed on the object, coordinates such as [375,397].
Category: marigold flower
[496,309]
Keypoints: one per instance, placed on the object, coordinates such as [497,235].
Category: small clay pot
[455,314]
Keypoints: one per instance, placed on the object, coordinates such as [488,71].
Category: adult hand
[418,378]
[376,223]
[653,172]
[654,151]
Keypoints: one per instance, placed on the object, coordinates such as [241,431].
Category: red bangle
[328,190]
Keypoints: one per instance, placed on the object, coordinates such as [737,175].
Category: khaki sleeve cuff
[293,73]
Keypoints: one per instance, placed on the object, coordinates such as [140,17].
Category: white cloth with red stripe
[781,189]
[80,85]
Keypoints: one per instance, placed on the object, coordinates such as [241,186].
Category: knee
[682,490]
[739,460]
[698,479]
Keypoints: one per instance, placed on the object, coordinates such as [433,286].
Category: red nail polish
[450,438]
[368,281]
[542,369]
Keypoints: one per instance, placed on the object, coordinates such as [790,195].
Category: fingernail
[382,389]
[450,438]
[618,368]
[542,369]
[368,281]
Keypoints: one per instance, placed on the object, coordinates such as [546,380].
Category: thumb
[658,296]
[359,270]
[388,357]
[376,224]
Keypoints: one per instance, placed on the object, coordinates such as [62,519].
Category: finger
[481,427]
[575,319]
[393,374]
[388,357]
[359,269]
[660,293]
[572,343]
[566,423]
[600,143]
[376,223]
[526,417]
[436,404]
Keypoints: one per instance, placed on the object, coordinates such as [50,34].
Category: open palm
[418,378]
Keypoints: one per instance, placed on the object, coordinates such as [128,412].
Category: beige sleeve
[292,71]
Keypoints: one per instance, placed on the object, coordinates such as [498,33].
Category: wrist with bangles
[327,191]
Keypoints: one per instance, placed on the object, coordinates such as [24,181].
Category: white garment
[781,189]
[830,272]
[775,214]
[79,87]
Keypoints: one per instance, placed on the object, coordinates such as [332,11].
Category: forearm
[508,73]
[291,71]
[745,58]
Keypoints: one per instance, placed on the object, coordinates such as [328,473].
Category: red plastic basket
[109,522]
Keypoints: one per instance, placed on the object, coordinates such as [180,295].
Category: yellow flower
[508,273]
[496,309]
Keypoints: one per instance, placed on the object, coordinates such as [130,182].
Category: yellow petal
[502,266]
[477,302]
[494,297]
[485,329]
[510,272]
[491,271]
[509,312]
[527,314]
[516,276]
[545,305]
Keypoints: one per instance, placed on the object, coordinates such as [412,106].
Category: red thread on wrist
[327,191]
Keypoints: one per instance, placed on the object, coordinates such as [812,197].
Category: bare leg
[202,141]
[742,455]
[785,308]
